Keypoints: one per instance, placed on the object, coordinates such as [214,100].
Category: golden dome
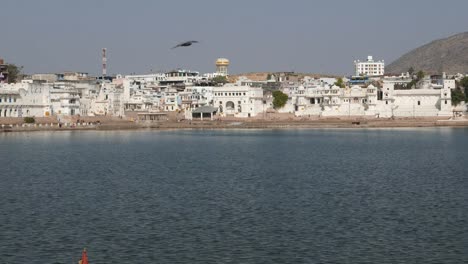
[222,62]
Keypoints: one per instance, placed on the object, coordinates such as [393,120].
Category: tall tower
[222,66]
[104,63]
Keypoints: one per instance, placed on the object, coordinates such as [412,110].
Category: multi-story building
[65,101]
[369,67]
[39,99]
[179,79]
[142,92]
[200,95]
[153,78]
[428,100]
[172,100]
[238,101]
[389,101]
[25,99]
[109,101]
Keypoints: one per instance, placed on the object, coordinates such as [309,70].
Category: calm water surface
[274,196]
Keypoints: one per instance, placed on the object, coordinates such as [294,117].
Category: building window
[386,102]
[419,102]
[445,101]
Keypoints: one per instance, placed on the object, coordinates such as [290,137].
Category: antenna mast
[104,63]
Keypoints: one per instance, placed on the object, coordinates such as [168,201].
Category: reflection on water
[235,196]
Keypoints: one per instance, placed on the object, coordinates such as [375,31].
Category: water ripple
[297,196]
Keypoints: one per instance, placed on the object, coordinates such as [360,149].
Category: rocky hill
[448,55]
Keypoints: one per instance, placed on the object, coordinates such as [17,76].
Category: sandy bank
[239,124]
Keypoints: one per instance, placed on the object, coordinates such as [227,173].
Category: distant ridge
[448,55]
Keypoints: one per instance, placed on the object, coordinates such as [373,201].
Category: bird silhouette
[185,44]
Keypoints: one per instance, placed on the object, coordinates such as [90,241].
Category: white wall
[240,101]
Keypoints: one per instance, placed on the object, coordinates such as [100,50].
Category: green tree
[339,82]
[411,84]
[420,75]
[411,71]
[464,84]
[279,99]
[14,72]
[220,80]
[457,96]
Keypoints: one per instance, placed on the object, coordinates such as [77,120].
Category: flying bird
[185,44]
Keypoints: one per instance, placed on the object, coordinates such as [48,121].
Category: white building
[140,92]
[171,100]
[200,95]
[369,67]
[109,101]
[147,78]
[39,99]
[24,99]
[180,79]
[65,101]
[238,101]
[429,100]
[323,100]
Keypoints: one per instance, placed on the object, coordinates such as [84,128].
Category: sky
[296,35]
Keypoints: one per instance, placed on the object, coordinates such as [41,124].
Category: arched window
[230,105]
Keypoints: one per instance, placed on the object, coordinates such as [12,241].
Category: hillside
[448,55]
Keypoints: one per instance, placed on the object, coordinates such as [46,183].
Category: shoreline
[242,124]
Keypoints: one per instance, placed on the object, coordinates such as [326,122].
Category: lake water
[235,196]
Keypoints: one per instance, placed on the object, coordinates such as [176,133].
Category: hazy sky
[294,35]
